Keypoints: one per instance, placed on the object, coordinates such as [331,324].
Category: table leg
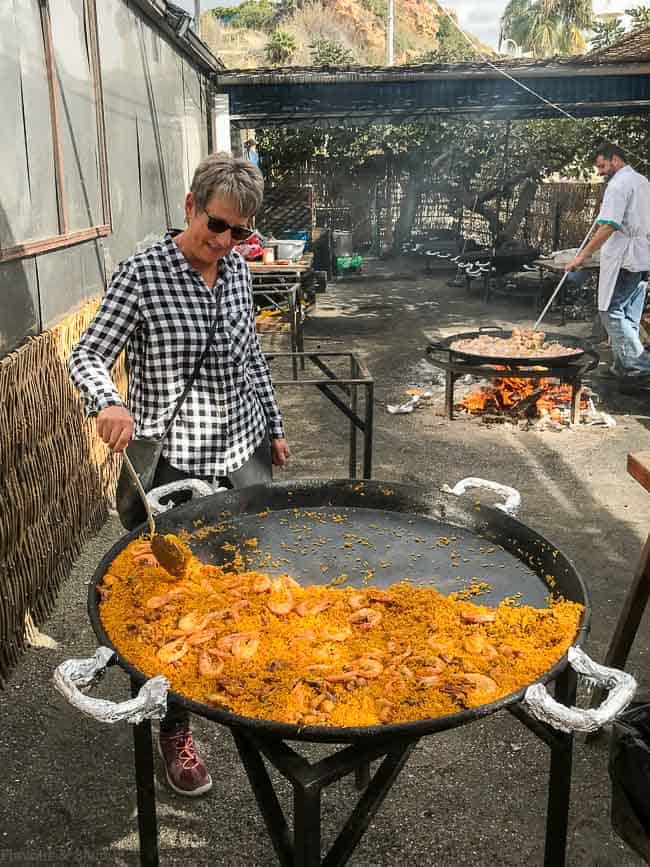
[629,619]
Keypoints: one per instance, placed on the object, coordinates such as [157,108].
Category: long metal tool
[563,280]
[169,552]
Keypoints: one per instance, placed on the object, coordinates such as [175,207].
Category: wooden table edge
[638,466]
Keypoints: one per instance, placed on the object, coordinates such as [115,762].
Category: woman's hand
[115,426]
[280,452]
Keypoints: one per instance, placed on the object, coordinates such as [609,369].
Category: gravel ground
[474,795]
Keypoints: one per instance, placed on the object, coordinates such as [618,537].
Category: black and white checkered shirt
[160,310]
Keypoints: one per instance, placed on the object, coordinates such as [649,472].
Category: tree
[452,46]
[640,17]
[280,48]
[606,33]
[547,27]
[250,15]
[328,52]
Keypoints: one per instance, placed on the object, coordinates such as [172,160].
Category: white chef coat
[626,207]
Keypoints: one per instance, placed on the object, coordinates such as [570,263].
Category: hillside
[240,36]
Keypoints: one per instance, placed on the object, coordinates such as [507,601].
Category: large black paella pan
[401,531]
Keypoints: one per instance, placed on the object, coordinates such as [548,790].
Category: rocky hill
[357,25]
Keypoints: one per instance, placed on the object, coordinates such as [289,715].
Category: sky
[480,17]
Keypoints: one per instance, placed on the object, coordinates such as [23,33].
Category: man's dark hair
[607,151]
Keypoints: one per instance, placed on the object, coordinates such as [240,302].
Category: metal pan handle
[195,487]
[621,687]
[512,495]
[75,675]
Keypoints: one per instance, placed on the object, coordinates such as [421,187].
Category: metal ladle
[169,550]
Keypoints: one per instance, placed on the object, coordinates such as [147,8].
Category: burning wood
[522,398]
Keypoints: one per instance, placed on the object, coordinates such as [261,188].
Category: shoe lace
[185,750]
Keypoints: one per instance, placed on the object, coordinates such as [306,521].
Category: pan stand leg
[450,382]
[308,781]
[559,790]
[146,792]
[576,395]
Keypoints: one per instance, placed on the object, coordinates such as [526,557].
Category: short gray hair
[221,174]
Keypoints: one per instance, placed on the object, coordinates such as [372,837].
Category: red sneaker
[185,771]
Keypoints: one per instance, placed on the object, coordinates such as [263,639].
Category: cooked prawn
[173,650]
[281,600]
[366,618]
[208,668]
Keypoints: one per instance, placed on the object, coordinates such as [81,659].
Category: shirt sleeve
[615,202]
[92,359]
[261,376]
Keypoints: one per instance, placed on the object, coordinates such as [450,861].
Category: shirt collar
[227,264]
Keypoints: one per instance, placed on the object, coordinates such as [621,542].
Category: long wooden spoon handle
[143,496]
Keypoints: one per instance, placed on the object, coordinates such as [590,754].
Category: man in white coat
[623,232]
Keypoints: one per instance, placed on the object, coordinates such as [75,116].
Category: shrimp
[245,646]
[336,634]
[344,677]
[173,650]
[356,601]
[261,584]
[479,644]
[194,621]
[478,617]
[368,667]
[366,618]
[160,601]
[238,607]
[200,637]
[480,683]
[304,608]
[385,709]
[281,600]
[381,596]
[208,668]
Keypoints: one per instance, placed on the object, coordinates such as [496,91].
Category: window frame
[65,237]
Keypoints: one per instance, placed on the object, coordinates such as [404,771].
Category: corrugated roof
[525,68]
[632,48]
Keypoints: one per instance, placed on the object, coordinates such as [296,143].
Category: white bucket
[289,249]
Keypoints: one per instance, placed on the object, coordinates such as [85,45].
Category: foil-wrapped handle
[621,686]
[512,495]
[196,488]
[74,676]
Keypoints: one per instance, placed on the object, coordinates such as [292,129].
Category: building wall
[155,112]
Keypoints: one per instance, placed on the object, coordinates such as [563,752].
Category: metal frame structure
[67,237]
[359,377]
[570,374]
[289,305]
[340,96]
[302,848]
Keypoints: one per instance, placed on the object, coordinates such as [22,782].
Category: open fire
[510,397]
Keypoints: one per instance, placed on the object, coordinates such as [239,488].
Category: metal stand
[358,378]
[570,374]
[559,786]
[146,791]
[302,847]
[287,301]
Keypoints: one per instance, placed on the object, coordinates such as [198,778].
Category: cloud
[480,19]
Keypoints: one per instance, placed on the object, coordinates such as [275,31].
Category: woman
[159,308]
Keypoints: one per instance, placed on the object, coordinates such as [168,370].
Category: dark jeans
[256,471]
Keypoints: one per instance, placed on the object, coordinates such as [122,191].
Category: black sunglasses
[219,226]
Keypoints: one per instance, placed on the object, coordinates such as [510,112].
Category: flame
[508,391]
